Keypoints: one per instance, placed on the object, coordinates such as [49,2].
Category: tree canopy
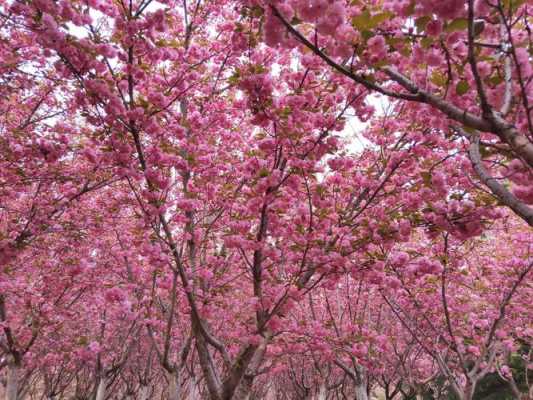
[266,199]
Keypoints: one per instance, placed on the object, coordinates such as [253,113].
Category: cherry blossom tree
[463,68]
[184,213]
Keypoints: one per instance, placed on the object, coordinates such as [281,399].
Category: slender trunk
[212,380]
[23,393]
[100,392]
[469,391]
[322,392]
[144,393]
[419,396]
[361,384]
[12,381]
[244,388]
[466,392]
[192,391]
[360,391]
[174,386]
[271,392]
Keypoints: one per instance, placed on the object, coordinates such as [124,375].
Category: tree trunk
[212,380]
[144,392]
[469,392]
[360,391]
[322,392]
[12,381]
[23,393]
[192,391]
[100,392]
[466,392]
[244,388]
[361,384]
[271,392]
[174,386]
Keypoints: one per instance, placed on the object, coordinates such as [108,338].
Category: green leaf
[380,18]
[235,77]
[513,4]
[469,130]
[495,80]
[367,34]
[296,21]
[421,22]
[426,177]
[458,24]
[405,51]
[484,151]
[462,87]
[365,21]
[380,63]
[395,42]
[257,11]
[362,21]
[438,78]
[426,42]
